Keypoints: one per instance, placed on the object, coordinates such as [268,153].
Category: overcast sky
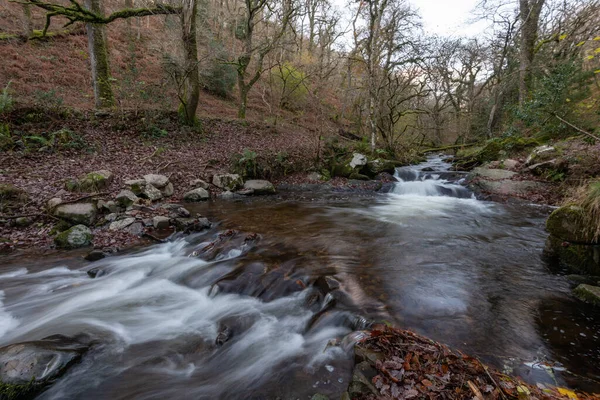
[449,17]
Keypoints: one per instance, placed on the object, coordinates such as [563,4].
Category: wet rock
[126,198]
[199,183]
[136,229]
[229,182]
[148,222]
[259,186]
[96,272]
[30,366]
[378,166]
[74,237]
[121,224]
[361,385]
[427,169]
[95,181]
[244,192]
[182,212]
[225,333]
[151,193]
[589,294]
[326,284]
[566,223]
[196,195]
[358,160]
[77,213]
[577,258]
[191,224]
[95,255]
[508,187]
[227,195]
[160,222]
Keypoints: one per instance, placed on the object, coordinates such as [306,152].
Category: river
[251,314]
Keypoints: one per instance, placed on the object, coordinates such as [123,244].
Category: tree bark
[530,11]
[27,23]
[98,51]
[190,46]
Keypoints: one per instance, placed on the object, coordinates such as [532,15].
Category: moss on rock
[588,293]
[566,223]
[73,238]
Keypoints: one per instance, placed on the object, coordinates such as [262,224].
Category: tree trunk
[190,47]
[243,100]
[27,23]
[103,95]
[530,11]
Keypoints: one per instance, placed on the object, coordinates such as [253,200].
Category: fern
[6,100]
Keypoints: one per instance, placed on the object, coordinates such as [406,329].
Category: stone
[588,293]
[126,198]
[576,258]
[148,222]
[23,221]
[378,166]
[160,222]
[229,182]
[358,160]
[196,195]
[168,190]
[77,213]
[183,212]
[314,176]
[136,185]
[53,203]
[121,224]
[227,195]
[487,173]
[509,188]
[110,206]
[37,363]
[192,224]
[385,177]
[511,164]
[95,181]
[96,272]
[259,186]
[111,217]
[245,192]
[199,183]
[94,255]
[151,193]
[74,237]
[554,165]
[541,154]
[158,181]
[136,229]
[566,223]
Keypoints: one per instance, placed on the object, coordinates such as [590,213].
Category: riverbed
[264,304]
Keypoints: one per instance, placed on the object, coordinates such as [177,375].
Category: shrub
[292,86]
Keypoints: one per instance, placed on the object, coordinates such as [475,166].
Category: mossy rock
[75,237]
[566,223]
[18,392]
[342,170]
[492,150]
[92,182]
[588,293]
[577,258]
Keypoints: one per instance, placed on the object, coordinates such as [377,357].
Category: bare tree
[529,11]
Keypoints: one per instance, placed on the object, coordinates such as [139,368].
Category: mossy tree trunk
[98,51]
[191,95]
[530,11]
[27,22]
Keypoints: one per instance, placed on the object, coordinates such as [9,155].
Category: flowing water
[249,308]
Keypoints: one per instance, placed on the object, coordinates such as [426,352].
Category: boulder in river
[259,186]
[74,237]
[196,195]
[567,223]
[26,368]
[77,213]
[588,293]
[229,182]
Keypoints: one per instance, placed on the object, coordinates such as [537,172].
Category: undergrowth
[588,198]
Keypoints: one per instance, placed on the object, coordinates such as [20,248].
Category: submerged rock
[26,368]
[77,213]
[95,255]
